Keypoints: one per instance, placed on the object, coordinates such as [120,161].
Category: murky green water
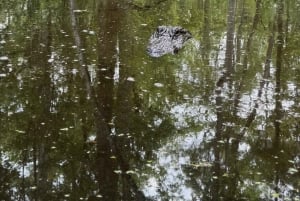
[86,114]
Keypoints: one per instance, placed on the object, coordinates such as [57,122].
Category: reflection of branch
[83,69]
[266,75]
[253,113]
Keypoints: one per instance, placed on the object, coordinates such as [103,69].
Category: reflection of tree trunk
[252,32]
[278,105]
[279,48]
[241,6]
[287,5]
[230,36]
[216,186]
[271,40]
[123,122]
[247,52]
[231,157]
[124,125]
[109,19]
[33,6]
[229,44]
[263,82]
[206,32]
[38,129]
[227,190]
[216,148]
[84,72]
[107,179]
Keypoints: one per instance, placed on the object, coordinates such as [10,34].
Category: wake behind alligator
[167,39]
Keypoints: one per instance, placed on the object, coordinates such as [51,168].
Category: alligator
[167,39]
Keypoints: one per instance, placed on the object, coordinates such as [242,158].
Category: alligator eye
[180,31]
[160,29]
[158,32]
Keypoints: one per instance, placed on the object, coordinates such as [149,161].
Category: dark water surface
[86,114]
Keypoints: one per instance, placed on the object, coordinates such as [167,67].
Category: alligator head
[167,39]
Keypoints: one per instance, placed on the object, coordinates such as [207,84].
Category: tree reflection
[108,146]
[85,114]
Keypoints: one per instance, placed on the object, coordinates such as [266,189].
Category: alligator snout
[167,39]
